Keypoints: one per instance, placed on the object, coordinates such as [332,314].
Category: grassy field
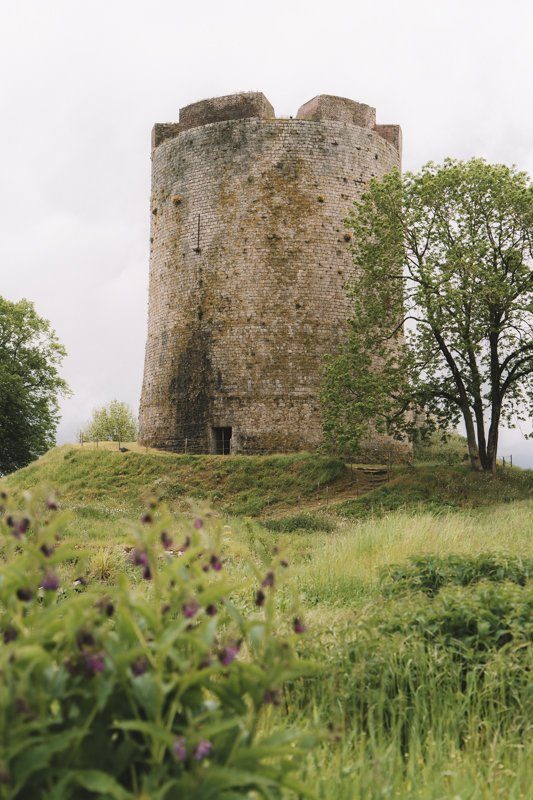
[416,694]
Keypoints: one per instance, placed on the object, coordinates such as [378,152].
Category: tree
[442,318]
[30,384]
[113,423]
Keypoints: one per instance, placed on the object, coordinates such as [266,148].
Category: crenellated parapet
[339,109]
[254,105]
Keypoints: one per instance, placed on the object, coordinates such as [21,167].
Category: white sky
[83,81]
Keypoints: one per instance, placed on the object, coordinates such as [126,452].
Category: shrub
[429,574]
[299,522]
[418,669]
[153,687]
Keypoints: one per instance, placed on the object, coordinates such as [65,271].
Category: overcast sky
[83,81]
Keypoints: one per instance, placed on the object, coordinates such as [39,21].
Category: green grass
[101,481]
[441,488]
[241,485]
[300,522]
[419,692]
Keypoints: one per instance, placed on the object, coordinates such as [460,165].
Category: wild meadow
[333,643]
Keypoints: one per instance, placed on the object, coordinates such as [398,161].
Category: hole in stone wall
[222,438]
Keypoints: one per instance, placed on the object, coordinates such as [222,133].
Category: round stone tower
[249,261]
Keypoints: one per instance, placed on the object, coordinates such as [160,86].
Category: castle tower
[249,261]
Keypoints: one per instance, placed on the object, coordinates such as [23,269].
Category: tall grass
[421,696]
[344,566]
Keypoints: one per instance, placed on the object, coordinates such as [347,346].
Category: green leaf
[100,782]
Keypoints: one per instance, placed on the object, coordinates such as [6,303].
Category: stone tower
[249,260]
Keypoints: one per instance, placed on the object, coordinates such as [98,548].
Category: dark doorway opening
[222,441]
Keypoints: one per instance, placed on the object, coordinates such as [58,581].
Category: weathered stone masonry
[249,260]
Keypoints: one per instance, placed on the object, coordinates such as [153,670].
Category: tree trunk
[492,447]
[496,397]
[473,450]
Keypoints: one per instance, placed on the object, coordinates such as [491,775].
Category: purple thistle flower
[23,525]
[272,696]
[298,626]
[203,749]
[260,598]
[284,563]
[216,563]
[198,523]
[228,654]
[179,748]
[139,666]
[268,580]
[94,663]
[10,634]
[190,609]
[19,527]
[147,573]
[108,608]
[211,610]
[51,504]
[185,546]
[50,582]
[146,518]
[71,666]
[84,640]
[24,594]
[47,550]
[166,540]
[139,557]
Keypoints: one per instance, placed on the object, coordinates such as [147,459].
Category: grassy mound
[440,489]
[240,485]
[103,483]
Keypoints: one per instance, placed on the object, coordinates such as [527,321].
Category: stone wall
[249,260]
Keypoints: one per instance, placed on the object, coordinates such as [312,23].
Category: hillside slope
[263,485]
[238,485]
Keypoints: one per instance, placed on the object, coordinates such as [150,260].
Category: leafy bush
[470,622]
[155,687]
[299,522]
[429,574]
[418,669]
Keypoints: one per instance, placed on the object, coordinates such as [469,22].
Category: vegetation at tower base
[418,624]
[113,423]
[447,253]
[30,384]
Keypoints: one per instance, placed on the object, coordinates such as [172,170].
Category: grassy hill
[415,693]
[262,486]
[242,485]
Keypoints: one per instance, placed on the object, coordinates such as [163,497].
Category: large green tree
[30,384]
[442,320]
[113,422]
